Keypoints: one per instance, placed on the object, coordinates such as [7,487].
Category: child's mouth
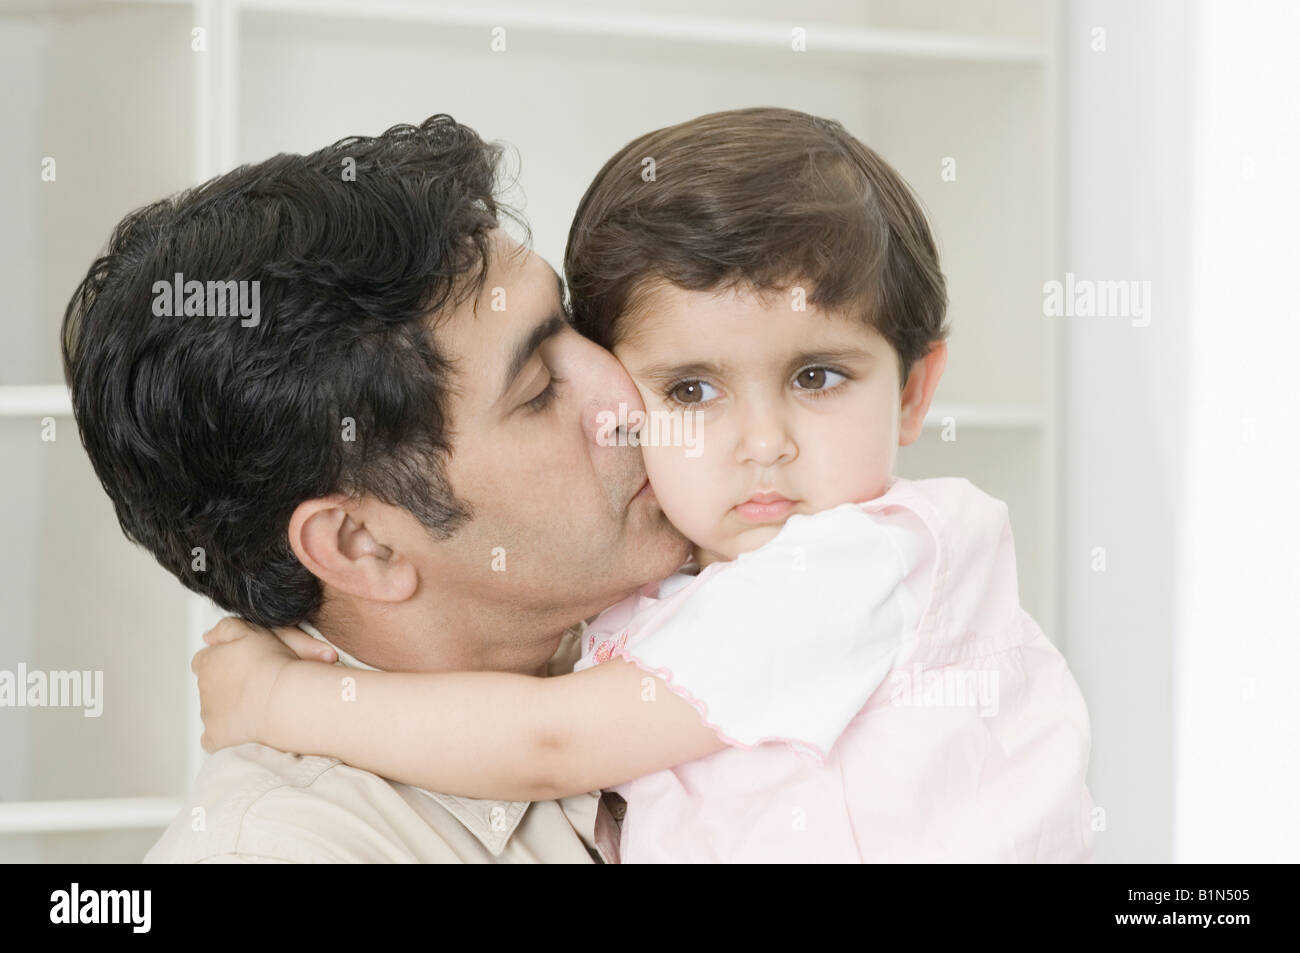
[765,508]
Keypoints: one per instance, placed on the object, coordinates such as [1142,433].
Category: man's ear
[341,542]
[919,391]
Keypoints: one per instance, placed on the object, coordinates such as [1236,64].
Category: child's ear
[919,391]
[340,542]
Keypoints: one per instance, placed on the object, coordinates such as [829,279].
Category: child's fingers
[227,630]
[305,646]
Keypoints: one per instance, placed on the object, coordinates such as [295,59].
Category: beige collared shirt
[254,804]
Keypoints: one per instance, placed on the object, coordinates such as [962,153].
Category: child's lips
[765,508]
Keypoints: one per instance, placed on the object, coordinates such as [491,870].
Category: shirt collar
[492,822]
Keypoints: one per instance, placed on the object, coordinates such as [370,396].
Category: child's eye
[692,392]
[818,378]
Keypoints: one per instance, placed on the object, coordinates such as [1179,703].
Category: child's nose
[765,439]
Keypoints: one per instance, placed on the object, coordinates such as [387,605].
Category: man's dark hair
[207,433]
[765,199]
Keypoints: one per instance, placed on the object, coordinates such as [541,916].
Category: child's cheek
[847,458]
[687,496]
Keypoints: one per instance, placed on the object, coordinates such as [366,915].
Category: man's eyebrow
[528,345]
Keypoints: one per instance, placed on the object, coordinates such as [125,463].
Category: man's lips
[765,507]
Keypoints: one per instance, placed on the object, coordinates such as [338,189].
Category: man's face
[561,525]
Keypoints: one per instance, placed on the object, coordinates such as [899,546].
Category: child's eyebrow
[671,372]
[830,355]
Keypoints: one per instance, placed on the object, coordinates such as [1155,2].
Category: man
[392,438]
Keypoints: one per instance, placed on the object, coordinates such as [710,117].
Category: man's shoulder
[252,803]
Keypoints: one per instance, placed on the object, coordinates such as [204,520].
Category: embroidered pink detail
[605,651]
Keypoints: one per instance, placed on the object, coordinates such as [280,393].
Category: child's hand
[303,645]
[237,674]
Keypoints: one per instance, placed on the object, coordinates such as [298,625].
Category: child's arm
[786,643]
[474,734]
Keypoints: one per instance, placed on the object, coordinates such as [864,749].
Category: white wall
[1179,143]
[22,103]
[106,93]
[1237,651]
[1127,179]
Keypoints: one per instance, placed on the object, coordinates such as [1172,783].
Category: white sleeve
[789,641]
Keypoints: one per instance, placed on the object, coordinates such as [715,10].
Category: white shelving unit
[40,400]
[975,81]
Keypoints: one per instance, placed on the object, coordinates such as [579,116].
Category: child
[849,675]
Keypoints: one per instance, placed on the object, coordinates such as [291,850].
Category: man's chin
[676,548]
[651,539]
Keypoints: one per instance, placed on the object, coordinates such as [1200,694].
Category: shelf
[44,400]
[827,43]
[988,416]
[32,817]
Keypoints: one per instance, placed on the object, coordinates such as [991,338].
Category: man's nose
[614,397]
[765,436]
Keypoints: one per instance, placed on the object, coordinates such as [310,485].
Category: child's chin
[751,539]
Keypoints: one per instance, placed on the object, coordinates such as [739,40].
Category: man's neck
[448,638]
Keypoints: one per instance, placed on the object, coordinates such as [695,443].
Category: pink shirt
[883,694]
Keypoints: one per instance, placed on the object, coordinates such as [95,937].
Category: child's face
[798,411]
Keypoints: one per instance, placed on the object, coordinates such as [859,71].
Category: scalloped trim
[797,745]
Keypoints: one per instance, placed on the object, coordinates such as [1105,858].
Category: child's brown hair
[767,199]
